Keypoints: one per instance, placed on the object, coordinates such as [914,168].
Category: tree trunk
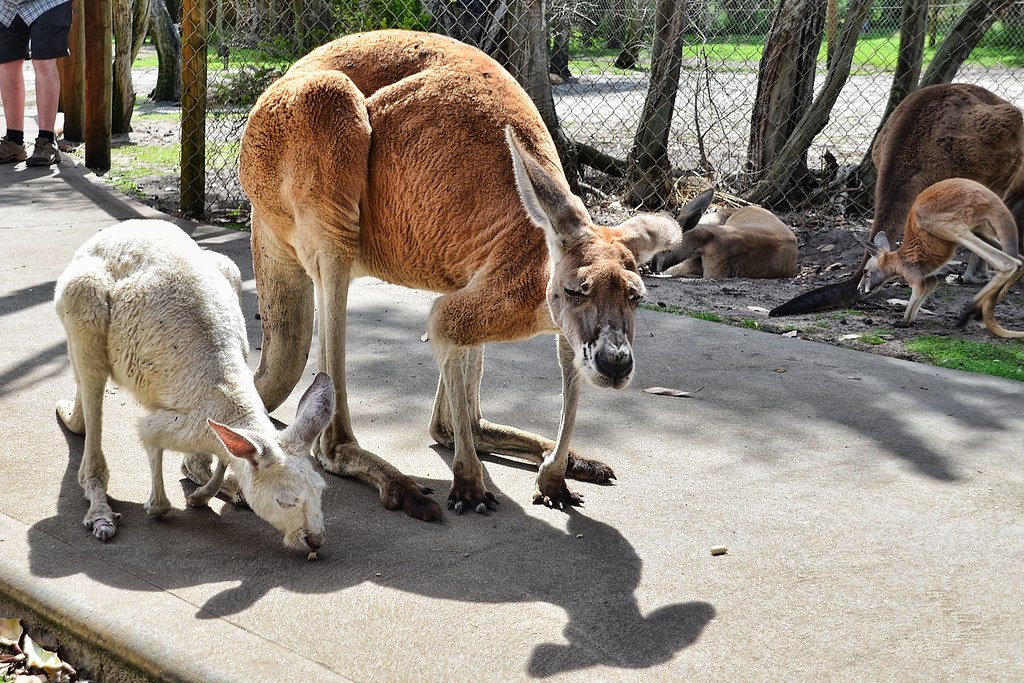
[647,168]
[772,188]
[560,49]
[964,36]
[913,30]
[474,22]
[631,43]
[528,62]
[168,50]
[785,85]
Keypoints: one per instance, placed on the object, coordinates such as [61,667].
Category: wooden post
[72,77]
[193,107]
[99,74]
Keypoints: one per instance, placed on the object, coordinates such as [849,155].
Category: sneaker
[45,153]
[11,152]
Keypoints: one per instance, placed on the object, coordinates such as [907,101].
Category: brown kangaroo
[388,154]
[950,213]
[748,242]
[953,130]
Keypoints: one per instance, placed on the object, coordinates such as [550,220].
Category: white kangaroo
[142,304]
[949,213]
[387,154]
[749,242]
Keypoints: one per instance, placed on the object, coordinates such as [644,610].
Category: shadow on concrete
[590,571]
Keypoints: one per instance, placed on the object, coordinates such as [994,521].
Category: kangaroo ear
[871,247]
[882,242]
[547,200]
[237,444]
[315,409]
[647,234]
[691,212]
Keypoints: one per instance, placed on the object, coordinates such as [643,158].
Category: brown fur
[948,214]
[387,154]
[751,242]
[952,130]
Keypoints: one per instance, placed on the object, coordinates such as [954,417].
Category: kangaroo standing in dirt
[748,242]
[953,130]
[143,305]
[950,213]
[386,154]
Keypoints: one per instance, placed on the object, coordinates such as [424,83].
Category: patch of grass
[874,339]
[156,116]
[983,357]
[751,324]
[710,317]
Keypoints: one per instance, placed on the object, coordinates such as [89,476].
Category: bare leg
[47,92]
[202,495]
[196,467]
[917,298]
[12,92]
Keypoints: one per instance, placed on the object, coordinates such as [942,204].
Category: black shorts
[45,38]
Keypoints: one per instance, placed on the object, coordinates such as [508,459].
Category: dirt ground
[829,252]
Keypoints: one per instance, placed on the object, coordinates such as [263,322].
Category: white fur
[142,304]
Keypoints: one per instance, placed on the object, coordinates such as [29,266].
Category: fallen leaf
[791,334]
[38,658]
[848,337]
[826,247]
[757,309]
[10,631]
[665,391]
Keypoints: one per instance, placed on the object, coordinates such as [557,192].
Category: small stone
[717,550]
[312,556]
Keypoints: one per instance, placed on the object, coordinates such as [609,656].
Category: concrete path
[873,510]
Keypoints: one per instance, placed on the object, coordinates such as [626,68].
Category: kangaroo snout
[315,541]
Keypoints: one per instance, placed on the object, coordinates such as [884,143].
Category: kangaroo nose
[314,541]
[616,364]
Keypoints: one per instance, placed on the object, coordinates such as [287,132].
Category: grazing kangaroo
[142,304]
[388,154]
[953,130]
[950,213]
[749,242]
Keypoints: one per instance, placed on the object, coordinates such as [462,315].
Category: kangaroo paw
[471,496]
[555,494]
[102,524]
[412,498]
[585,469]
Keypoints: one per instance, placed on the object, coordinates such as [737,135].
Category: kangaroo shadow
[589,570]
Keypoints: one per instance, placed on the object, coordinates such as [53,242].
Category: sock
[48,135]
[16,136]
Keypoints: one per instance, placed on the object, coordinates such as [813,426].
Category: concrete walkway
[873,510]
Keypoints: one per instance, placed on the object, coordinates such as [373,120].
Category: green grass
[982,357]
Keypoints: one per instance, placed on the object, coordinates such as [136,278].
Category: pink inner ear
[237,445]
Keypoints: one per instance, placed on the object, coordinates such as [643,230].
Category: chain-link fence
[733,54]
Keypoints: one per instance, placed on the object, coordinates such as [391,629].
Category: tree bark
[130,19]
[528,62]
[963,37]
[648,172]
[168,50]
[772,188]
[785,84]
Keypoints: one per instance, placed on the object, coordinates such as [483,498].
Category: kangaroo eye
[574,292]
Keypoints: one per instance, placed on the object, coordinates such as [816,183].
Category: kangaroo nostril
[314,541]
[615,365]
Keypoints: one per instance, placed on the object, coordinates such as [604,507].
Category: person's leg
[47,94]
[13,47]
[12,90]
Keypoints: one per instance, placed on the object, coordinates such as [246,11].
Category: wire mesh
[600,65]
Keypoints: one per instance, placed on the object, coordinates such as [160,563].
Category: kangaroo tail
[285,294]
[988,316]
[821,299]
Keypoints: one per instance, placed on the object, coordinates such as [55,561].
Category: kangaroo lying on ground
[947,214]
[954,130]
[386,154]
[748,242]
[142,304]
